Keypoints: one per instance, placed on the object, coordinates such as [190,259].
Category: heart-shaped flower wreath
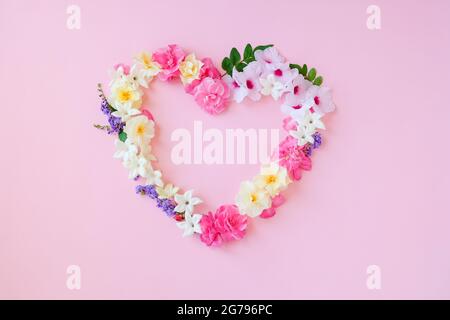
[259,71]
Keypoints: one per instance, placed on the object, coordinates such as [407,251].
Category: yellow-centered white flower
[125,98]
[273,178]
[190,69]
[252,200]
[149,67]
[169,191]
[140,130]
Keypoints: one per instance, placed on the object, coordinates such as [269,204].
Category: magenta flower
[208,70]
[225,224]
[292,157]
[210,235]
[212,95]
[277,201]
[169,58]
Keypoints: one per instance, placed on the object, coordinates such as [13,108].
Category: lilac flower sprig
[308,149]
[115,123]
[166,205]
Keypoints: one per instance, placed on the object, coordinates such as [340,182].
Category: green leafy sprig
[238,61]
[310,75]
[235,60]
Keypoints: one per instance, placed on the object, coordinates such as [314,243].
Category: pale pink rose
[224,225]
[289,124]
[212,95]
[208,70]
[125,68]
[277,201]
[169,58]
[292,157]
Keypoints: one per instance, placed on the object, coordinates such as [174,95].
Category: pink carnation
[208,70]
[224,225]
[210,236]
[212,95]
[169,58]
[293,158]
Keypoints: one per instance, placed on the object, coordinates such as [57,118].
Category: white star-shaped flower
[312,121]
[154,177]
[186,202]
[270,86]
[303,135]
[191,224]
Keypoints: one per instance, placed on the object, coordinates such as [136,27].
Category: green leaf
[235,56]
[312,74]
[240,66]
[227,65]
[296,66]
[122,136]
[304,70]
[263,47]
[318,81]
[248,52]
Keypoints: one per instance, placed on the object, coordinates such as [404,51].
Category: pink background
[378,192]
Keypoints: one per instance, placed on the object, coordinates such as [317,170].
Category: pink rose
[169,58]
[293,158]
[277,201]
[208,70]
[224,225]
[212,95]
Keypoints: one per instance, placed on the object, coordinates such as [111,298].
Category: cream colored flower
[273,178]
[138,166]
[154,177]
[125,98]
[149,67]
[190,69]
[166,192]
[140,130]
[252,200]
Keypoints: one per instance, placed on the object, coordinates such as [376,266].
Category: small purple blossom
[147,190]
[116,124]
[105,107]
[166,205]
[317,140]
[307,150]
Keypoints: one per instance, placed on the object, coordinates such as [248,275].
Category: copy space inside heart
[173,109]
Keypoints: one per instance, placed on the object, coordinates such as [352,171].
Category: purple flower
[307,150]
[116,124]
[147,190]
[167,206]
[317,140]
[105,107]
